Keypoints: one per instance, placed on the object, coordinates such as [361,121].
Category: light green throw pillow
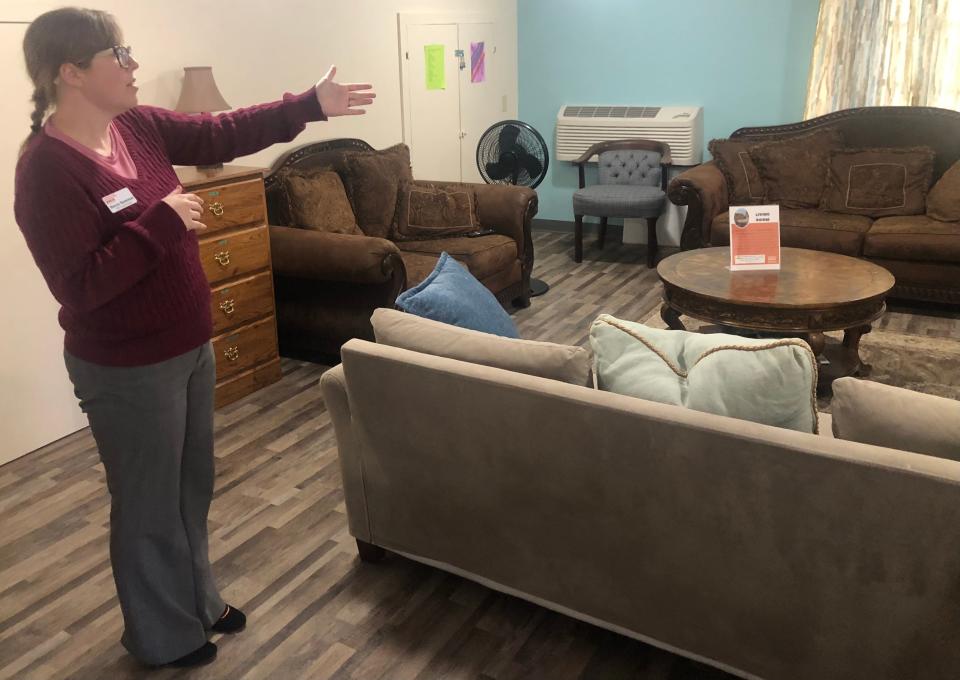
[766,381]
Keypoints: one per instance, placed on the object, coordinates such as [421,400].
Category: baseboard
[592,229]
[614,231]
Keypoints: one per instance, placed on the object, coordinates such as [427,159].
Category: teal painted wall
[745,61]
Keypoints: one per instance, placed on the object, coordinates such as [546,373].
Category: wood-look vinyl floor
[281,551]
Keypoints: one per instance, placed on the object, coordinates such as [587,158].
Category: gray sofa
[764,552]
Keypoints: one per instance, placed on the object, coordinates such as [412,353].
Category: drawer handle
[217,208]
[227,307]
[223,257]
[232,353]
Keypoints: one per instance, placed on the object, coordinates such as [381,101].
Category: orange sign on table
[754,237]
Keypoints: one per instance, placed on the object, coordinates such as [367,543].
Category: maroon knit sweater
[131,287]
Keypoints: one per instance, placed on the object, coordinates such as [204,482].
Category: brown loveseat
[328,284]
[922,253]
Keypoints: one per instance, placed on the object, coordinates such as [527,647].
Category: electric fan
[513,152]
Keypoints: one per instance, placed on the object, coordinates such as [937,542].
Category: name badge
[119,200]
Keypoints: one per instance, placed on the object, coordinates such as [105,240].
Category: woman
[114,236]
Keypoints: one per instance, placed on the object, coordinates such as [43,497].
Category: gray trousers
[154,428]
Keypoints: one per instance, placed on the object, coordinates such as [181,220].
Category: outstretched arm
[208,139]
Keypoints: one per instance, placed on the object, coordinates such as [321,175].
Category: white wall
[36,401]
[259,49]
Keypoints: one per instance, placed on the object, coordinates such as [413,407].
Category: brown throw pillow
[732,156]
[372,179]
[878,182]
[316,200]
[427,210]
[943,201]
[794,170]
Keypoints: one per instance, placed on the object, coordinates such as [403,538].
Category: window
[885,53]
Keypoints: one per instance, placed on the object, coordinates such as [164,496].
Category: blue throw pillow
[452,295]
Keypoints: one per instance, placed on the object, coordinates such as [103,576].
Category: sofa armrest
[333,386]
[508,210]
[703,190]
[306,254]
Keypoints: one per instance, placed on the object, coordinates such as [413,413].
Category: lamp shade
[200,93]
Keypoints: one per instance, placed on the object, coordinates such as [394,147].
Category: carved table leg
[817,342]
[671,317]
[851,343]
[843,358]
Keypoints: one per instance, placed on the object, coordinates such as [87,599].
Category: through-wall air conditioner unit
[578,127]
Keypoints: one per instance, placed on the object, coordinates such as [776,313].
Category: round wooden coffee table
[811,293]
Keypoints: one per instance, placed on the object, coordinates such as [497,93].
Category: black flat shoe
[232,621]
[198,657]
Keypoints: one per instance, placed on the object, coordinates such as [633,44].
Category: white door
[443,128]
[482,102]
[37,405]
[434,111]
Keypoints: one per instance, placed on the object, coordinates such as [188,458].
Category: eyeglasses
[121,52]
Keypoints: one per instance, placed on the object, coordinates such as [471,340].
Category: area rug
[912,350]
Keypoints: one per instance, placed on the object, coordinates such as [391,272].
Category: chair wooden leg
[603,233]
[369,552]
[578,238]
[651,242]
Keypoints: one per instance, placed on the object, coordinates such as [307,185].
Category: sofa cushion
[317,200]
[418,266]
[483,255]
[545,359]
[872,413]
[794,170]
[427,211]
[934,281]
[452,295]
[913,237]
[878,182]
[808,228]
[943,201]
[372,179]
[766,381]
[744,185]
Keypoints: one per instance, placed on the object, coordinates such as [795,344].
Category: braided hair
[63,36]
[41,104]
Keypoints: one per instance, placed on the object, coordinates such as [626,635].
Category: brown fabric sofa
[328,284]
[922,253]
[765,552]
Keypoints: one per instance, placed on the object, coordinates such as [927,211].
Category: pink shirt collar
[119,160]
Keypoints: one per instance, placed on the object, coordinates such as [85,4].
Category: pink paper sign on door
[478,70]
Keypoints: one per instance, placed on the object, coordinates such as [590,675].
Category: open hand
[188,206]
[339,100]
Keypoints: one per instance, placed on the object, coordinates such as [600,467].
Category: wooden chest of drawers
[235,252]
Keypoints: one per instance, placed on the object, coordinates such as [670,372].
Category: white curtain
[885,53]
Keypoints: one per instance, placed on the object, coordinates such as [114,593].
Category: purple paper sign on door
[478,70]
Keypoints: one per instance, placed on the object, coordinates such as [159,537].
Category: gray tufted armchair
[631,184]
